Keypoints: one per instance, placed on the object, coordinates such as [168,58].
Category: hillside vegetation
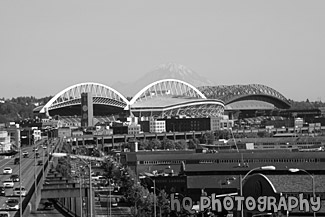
[19,108]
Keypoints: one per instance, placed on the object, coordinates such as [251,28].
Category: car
[25,154]
[12,204]
[40,162]
[18,192]
[44,147]
[17,160]
[2,191]
[37,155]
[14,177]
[35,149]
[8,183]
[114,202]
[4,214]
[97,177]
[48,205]
[7,170]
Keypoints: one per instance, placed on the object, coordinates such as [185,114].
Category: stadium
[164,99]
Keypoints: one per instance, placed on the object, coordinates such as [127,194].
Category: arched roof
[234,93]
[70,96]
[167,87]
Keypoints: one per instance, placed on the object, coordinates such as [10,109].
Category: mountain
[163,71]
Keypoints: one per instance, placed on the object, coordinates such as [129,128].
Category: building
[62,132]
[225,123]
[5,144]
[134,128]
[37,134]
[299,123]
[157,126]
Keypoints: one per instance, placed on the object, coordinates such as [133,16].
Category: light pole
[20,199]
[232,134]
[242,179]
[110,189]
[80,191]
[90,181]
[43,163]
[35,177]
[294,170]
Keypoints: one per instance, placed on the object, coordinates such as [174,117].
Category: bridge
[32,174]
[42,182]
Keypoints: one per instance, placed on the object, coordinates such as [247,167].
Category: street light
[109,205]
[242,179]
[35,176]
[232,134]
[80,170]
[90,181]
[20,199]
[294,170]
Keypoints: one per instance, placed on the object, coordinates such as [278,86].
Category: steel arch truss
[101,94]
[233,93]
[167,87]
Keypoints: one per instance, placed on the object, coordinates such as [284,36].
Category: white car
[12,204]
[97,178]
[17,191]
[25,154]
[8,183]
[7,170]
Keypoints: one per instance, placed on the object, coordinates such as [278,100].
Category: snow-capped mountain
[163,71]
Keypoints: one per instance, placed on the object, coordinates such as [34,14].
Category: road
[28,170]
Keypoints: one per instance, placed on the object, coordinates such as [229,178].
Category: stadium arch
[172,97]
[236,93]
[176,87]
[70,96]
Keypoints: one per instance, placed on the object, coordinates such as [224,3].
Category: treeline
[306,104]
[209,137]
[19,108]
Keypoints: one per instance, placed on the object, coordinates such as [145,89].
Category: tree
[144,145]
[193,143]
[64,167]
[163,203]
[181,145]
[167,144]
[209,138]
[141,199]
[154,144]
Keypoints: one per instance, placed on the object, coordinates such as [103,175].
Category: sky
[47,46]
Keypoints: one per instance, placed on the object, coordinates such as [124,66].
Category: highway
[28,170]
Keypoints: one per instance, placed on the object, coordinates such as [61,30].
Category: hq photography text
[230,203]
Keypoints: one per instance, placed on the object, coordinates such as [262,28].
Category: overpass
[111,141]
[114,140]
